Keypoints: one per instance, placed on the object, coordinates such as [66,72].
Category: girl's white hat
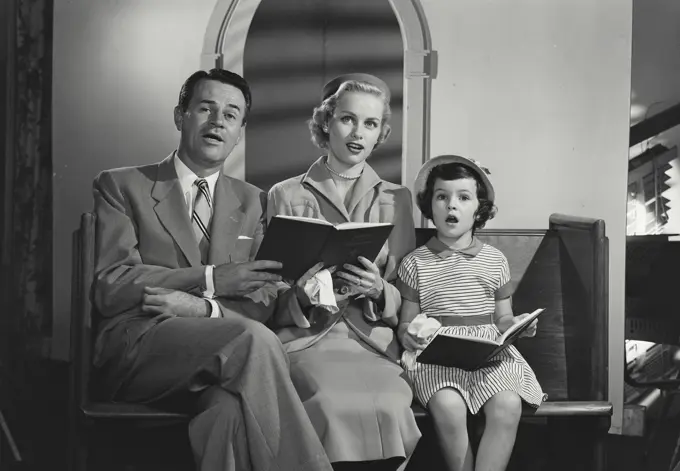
[473,165]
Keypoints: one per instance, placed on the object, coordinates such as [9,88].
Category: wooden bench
[565,270]
[92,423]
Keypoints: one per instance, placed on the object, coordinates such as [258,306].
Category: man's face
[212,124]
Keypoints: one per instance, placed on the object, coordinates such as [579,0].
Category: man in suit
[182,304]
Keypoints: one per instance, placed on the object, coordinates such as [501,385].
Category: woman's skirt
[358,400]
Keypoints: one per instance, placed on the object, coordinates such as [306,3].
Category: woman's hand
[409,341]
[531,330]
[366,280]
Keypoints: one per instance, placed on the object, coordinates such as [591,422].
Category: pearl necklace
[341,175]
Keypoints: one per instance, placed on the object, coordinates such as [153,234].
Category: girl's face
[355,128]
[454,204]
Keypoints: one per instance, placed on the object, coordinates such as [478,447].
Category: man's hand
[241,278]
[173,302]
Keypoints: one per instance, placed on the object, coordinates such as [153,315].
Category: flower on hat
[479,164]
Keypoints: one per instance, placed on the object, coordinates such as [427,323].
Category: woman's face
[355,127]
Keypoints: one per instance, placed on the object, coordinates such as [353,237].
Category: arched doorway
[225,43]
[322,38]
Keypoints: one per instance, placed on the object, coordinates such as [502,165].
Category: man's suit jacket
[144,237]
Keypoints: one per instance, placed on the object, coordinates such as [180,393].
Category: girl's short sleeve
[407,279]
[504,287]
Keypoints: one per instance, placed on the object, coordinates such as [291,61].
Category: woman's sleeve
[402,241]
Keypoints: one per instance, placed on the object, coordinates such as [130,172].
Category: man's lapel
[172,211]
[225,226]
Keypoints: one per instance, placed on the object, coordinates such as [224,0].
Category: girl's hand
[410,342]
[531,330]
[366,280]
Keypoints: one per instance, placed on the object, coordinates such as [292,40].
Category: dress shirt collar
[187,178]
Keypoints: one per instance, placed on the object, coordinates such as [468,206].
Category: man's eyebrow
[213,102]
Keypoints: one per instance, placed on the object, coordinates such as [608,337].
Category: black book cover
[471,353]
[300,243]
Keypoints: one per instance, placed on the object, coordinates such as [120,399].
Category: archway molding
[224,46]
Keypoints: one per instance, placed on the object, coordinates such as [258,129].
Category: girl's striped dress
[460,289]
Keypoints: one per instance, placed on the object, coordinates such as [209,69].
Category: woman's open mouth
[355,148]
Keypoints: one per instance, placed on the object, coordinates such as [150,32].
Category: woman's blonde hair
[318,125]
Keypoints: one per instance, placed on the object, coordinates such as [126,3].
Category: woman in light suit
[344,365]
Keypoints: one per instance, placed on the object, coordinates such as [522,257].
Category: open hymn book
[299,243]
[470,353]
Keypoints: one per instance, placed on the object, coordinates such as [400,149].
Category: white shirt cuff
[209,292]
[214,309]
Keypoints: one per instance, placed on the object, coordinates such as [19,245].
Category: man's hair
[220,75]
[324,112]
[454,171]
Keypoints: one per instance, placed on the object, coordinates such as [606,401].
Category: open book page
[342,225]
[358,225]
[519,326]
[304,219]
[500,340]
[469,337]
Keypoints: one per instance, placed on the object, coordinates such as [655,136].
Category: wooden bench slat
[123,411]
[570,408]
[551,409]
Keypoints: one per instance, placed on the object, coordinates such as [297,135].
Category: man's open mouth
[213,136]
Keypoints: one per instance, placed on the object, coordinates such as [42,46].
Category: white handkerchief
[319,289]
[422,327]
[242,237]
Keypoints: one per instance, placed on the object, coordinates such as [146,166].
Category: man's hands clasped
[230,280]
[172,302]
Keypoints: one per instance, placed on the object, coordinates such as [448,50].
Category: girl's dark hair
[454,171]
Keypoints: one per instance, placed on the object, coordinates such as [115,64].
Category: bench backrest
[81,309]
[562,269]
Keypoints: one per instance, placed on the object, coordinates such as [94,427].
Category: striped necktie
[200,218]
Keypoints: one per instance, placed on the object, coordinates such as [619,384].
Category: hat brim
[421,178]
[334,85]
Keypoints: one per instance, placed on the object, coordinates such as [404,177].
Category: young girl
[465,285]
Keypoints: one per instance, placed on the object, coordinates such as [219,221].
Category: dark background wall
[293,49]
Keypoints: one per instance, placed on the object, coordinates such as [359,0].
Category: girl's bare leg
[449,414]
